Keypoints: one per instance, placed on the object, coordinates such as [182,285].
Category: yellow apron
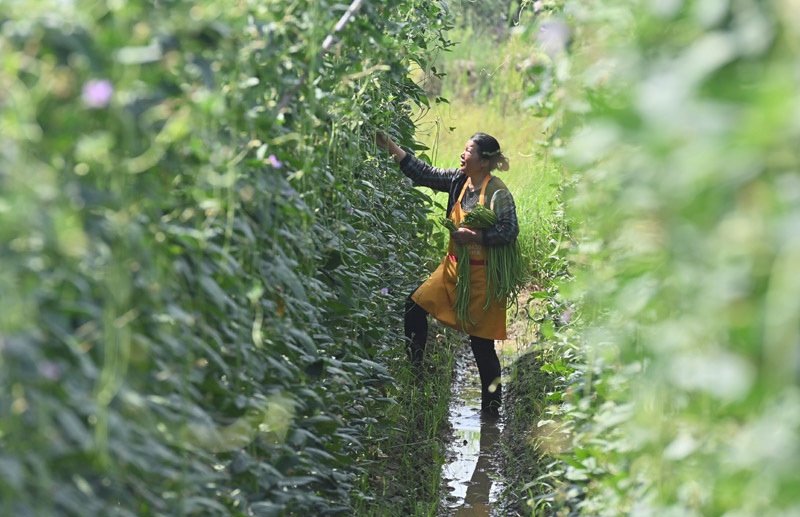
[438,294]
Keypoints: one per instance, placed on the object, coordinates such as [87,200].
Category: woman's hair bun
[502,163]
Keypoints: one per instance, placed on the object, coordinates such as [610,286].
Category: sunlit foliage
[203,260]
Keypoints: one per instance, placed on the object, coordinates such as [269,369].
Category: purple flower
[49,370]
[350,211]
[385,290]
[97,93]
[274,161]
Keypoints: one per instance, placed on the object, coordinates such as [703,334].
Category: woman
[472,183]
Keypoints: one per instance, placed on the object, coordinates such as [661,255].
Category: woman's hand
[467,236]
[383,141]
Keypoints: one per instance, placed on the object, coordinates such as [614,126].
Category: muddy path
[471,476]
[471,471]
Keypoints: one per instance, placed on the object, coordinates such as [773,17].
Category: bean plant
[203,256]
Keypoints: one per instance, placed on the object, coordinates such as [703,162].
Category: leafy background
[203,273]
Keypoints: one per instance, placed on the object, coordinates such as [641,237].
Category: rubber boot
[489,371]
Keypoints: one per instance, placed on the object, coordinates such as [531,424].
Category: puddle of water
[472,474]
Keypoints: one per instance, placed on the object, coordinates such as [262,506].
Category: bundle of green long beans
[503,266]
[461,306]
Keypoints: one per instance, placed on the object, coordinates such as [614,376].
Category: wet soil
[472,470]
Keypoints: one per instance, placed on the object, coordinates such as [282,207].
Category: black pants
[416,331]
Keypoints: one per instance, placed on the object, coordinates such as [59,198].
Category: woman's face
[471,161]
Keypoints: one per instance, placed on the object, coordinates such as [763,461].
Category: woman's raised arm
[383,141]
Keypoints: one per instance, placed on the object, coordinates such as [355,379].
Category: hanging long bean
[461,306]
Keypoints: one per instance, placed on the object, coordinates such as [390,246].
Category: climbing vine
[203,260]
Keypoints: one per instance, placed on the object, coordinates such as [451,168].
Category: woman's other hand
[466,236]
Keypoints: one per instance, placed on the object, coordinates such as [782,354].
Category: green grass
[403,471]
[489,100]
[523,462]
